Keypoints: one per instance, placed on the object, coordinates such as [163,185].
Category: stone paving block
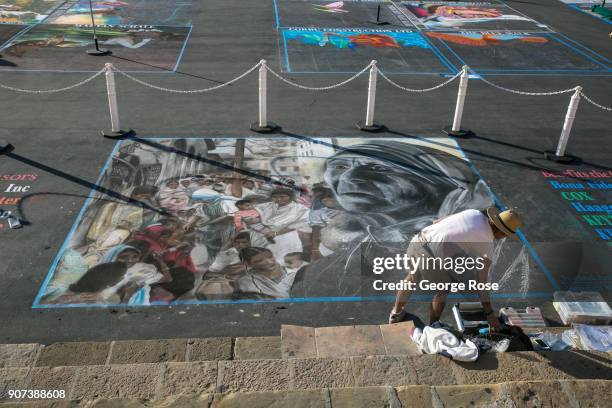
[271,399]
[298,342]
[363,397]
[397,340]
[53,378]
[322,373]
[537,394]
[433,370]
[414,396]
[257,348]
[120,381]
[12,379]
[18,355]
[73,354]
[494,368]
[190,378]
[468,395]
[346,341]
[383,371]
[253,375]
[148,351]
[575,364]
[588,393]
[209,349]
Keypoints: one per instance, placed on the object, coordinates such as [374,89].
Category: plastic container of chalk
[582,307]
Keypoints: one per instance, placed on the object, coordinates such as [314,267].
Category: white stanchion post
[369,125]
[559,155]
[455,130]
[112,97]
[111,91]
[263,126]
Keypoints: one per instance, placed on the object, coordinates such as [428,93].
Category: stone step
[563,393]
[139,351]
[160,380]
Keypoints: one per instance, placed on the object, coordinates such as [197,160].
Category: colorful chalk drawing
[346,39]
[60,36]
[466,15]
[485,39]
[186,226]
[26,11]
[160,26]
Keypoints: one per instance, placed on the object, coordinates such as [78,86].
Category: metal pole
[97,51]
[569,121]
[263,88]
[371,95]
[463,83]
[112,97]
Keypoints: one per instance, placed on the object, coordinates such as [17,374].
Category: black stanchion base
[269,128]
[552,156]
[99,52]
[374,127]
[457,133]
[122,134]
[376,22]
[5,147]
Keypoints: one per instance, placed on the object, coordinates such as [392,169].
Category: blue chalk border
[422,297]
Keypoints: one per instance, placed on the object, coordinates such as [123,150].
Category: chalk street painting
[349,50]
[26,11]
[124,12]
[53,46]
[185,225]
[487,52]
[351,39]
[468,16]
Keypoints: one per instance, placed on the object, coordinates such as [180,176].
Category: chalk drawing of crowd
[221,234]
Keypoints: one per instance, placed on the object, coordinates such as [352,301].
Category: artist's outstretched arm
[485,299]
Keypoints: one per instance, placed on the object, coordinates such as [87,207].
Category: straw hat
[506,221]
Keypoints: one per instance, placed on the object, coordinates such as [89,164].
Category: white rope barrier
[433,88]
[263,125]
[48,91]
[180,91]
[320,88]
[514,91]
[592,102]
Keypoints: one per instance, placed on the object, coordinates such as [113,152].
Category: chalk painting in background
[488,53]
[144,35]
[349,50]
[595,8]
[53,46]
[26,11]
[469,16]
[290,223]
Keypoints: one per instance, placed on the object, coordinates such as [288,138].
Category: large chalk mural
[185,225]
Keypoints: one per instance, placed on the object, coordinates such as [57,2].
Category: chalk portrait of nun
[401,187]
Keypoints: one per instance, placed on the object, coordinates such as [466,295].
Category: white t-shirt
[470,229]
[260,284]
[225,259]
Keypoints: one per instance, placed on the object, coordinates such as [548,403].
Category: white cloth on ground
[434,341]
